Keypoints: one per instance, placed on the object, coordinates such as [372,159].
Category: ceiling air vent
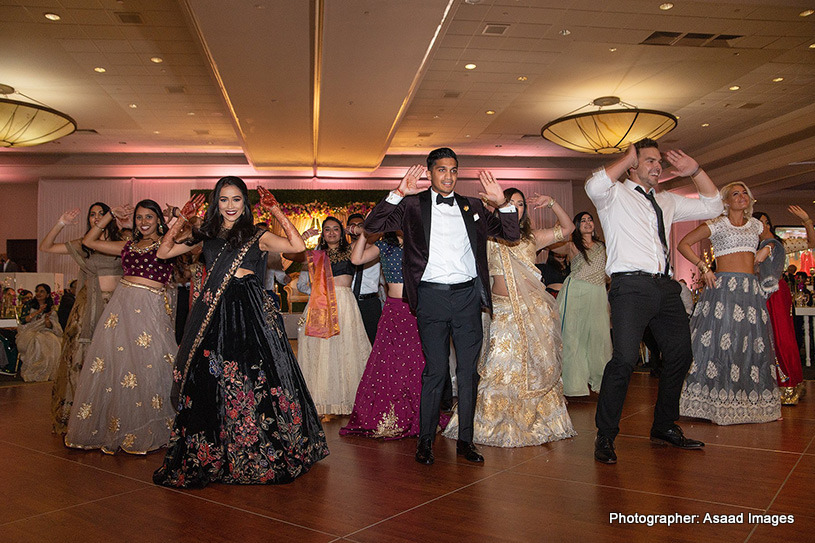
[129,18]
[424,134]
[202,132]
[693,39]
[176,89]
[661,38]
[749,105]
[492,29]
[690,39]
[452,94]
[86,131]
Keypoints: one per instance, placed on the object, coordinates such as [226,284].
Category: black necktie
[660,225]
[357,282]
[442,200]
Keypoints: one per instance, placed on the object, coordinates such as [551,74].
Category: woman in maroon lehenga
[788,356]
[389,394]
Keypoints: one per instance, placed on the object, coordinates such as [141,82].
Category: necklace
[141,250]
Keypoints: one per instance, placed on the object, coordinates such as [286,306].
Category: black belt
[367,296]
[641,274]
[445,286]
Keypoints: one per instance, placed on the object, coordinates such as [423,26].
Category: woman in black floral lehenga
[245,415]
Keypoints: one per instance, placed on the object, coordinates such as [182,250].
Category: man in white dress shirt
[446,280]
[637,223]
[365,285]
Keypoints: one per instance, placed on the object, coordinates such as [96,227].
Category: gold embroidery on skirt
[129,381]
[144,340]
[112,321]
[85,411]
[98,365]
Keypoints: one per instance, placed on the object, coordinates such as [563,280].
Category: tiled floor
[373,491]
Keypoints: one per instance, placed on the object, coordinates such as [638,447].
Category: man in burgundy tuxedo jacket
[446,280]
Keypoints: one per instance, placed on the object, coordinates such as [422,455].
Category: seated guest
[39,337]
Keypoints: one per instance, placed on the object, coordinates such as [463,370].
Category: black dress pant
[371,311]
[637,302]
[440,315]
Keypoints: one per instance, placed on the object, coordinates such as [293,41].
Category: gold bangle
[703,267]
[808,221]
[557,230]
[551,203]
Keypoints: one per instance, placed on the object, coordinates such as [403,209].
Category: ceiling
[359,87]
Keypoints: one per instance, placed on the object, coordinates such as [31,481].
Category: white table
[809,314]
[8,323]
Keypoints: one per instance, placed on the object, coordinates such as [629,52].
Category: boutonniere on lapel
[466,207]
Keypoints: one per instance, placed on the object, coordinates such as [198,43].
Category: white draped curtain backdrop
[55,196]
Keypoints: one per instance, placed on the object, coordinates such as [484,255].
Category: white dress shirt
[450,259]
[370,278]
[630,222]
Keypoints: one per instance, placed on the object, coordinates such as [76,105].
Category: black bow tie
[442,200]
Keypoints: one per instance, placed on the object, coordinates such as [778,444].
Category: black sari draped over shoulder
[245,415]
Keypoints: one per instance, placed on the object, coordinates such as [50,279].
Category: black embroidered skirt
[245,415]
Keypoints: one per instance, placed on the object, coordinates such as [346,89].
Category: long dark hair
[560,265]
[770,227]
[112,229]
[525,222]
[577,236]
[391,238]
[155,208]
[322,245]
[34,304]
[244,227]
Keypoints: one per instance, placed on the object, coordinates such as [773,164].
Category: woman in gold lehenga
[520,394]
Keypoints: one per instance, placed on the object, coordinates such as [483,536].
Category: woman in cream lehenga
[332,346]
[520,394]
[98,276]
[38,338]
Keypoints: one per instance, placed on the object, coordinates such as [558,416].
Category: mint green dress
[586,325]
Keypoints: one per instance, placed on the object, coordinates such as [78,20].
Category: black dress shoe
[468,451]
[674,436]
[424,451]
[604,450]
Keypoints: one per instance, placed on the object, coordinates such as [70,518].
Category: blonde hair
[728,189]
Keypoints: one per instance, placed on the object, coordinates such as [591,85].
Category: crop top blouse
[390,257]
[728,239]
[254,259]
[137,262]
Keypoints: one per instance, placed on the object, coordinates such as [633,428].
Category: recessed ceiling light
[705,124]
[52,16]
[132,106]
[565,32]
[467,136]
[191,113]
[522,78]
[666,6]
[612,49]
[156,132]
[807,12]
[469,66]
[735,88]
[436,117]
[812,45]
[490,112]
[156,60]
[778,80]
[99,70]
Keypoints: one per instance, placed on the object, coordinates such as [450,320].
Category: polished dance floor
[373,491]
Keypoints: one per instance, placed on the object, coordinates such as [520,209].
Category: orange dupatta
[322,319]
